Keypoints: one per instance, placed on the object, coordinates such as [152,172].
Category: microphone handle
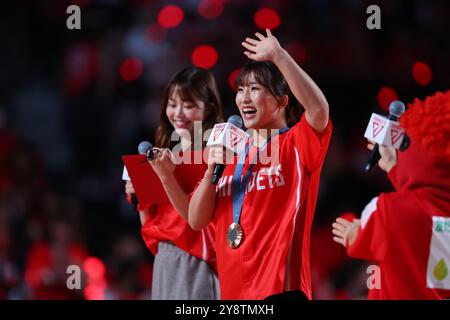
[217,173]
[373,159]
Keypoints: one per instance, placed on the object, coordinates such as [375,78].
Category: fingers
[251,41]
[338,233]
[259,36]
[339,228]
[248,46]
[268,32]
[250,55]
[339,240]
[370,146]
[216,155]
[343,222]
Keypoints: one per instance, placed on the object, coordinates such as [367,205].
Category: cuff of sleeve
[320,136]
[392,175]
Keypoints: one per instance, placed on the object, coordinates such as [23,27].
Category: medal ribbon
[239,186]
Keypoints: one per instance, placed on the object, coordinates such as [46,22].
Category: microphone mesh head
[397,108]
[144,146]
[236,120]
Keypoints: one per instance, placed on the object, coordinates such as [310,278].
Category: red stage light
[267,18]
[210,9]
[385,96]
[422,73]
[94,267]
[204,56]
[94,292]
[131,69]
[232,77]
[170,16]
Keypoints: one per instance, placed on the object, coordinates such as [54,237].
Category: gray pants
[179,276]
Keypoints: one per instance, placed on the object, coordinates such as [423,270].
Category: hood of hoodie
[417,168]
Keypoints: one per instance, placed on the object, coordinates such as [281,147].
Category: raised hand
[266,48]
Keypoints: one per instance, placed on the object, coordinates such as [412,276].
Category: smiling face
[258,106]
[182,113]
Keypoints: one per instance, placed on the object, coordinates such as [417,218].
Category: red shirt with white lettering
[276,218]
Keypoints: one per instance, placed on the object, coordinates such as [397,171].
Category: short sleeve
[371,243]
[312,146]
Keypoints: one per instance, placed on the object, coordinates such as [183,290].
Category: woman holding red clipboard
[184,265]
[263,225]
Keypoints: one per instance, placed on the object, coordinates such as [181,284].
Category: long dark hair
[269,76]
[191,83]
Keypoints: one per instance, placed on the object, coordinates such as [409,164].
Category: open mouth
[180,124]
[249,111]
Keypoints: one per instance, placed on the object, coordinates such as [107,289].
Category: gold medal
[234,235]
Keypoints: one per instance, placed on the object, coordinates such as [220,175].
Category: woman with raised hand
[263,211]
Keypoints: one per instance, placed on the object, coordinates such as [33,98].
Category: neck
[261,135]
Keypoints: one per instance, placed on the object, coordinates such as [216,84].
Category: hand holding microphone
[146,148]
[388,156]
[386,132]
[161,160]
[228,137]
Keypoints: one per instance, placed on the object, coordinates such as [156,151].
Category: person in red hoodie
[407,232]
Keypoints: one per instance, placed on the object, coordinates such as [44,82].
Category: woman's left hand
[266,48]
[163,164]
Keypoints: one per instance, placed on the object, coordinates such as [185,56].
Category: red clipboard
[147,185]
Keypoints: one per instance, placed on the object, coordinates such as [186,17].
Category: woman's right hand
[388,156]
[218,155]
[129,189]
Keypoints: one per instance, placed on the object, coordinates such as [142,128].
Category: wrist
[167,179]
[279,55]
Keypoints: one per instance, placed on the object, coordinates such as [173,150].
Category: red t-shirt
[407,232]
[276,217]
[165,224]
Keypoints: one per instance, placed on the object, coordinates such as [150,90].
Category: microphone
[235,138]
[396,109]
[146,148]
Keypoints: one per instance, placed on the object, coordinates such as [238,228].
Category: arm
[203,201]
[301,85]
